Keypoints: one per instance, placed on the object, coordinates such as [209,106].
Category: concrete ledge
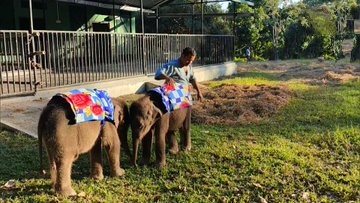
[14,127]
[206,73]
[132,85]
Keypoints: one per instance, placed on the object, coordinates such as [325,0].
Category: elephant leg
[112,145]
[63,181]
[185,135]
[53,169]
[147,145]
[160,132]
[96,161]
[53,175]
[172,141]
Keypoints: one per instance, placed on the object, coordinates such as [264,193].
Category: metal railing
[58,58]
[16,73]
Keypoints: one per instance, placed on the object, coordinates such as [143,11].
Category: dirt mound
[233,105]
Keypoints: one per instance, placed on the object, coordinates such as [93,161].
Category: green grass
[308,152]
[249,78]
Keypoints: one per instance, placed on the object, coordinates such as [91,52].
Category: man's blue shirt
[174,70]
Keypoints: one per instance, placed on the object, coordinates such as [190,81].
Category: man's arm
[196,87]
[160,75]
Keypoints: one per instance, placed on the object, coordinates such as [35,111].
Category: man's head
[188,55]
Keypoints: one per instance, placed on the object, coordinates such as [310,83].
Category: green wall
[7,20]
[14,15]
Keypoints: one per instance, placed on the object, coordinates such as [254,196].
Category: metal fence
[46,59]
[16,74]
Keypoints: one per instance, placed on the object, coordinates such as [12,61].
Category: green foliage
[322,23]
[307,152]
[355,11]
[329,57]
[240,60]
[355,53]
[315,2]
[310,29]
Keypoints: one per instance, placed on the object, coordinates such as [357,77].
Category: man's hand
[170,81]
[200,97]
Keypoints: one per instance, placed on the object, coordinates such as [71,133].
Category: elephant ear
[157,113]
[150,113]
[119,113]
[117,116]
[157,100]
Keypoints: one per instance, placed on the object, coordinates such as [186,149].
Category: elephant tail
[42,129]
[41,156]
[40,132]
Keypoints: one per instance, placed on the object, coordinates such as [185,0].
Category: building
[72,15]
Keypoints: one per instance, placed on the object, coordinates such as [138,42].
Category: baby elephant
[77,122]
[150,118]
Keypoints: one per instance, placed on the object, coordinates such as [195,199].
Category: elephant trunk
[124,142]
[136,142]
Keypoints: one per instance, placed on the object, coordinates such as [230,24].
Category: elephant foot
[97,176]
[187,148]
[174,150]
[161,165]
[66,191]
[119,172]
[135,165]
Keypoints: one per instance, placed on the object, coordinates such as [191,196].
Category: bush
[240,60]
[355,52]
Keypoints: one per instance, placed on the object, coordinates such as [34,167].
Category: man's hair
[188,51]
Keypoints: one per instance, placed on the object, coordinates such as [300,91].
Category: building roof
[147,4]
[134,5]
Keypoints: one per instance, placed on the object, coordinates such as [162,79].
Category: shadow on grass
[26,188]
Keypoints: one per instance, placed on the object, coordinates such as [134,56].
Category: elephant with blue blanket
[160,113]
[78,122]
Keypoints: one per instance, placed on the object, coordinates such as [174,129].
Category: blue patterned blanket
[174,97]
[90,105]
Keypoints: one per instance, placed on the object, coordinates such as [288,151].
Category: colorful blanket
[174,97]
[90,105]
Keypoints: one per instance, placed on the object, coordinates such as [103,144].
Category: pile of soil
[233,104]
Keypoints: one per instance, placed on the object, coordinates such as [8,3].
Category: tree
[295,30]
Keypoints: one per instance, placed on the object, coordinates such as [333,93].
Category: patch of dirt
[233,104]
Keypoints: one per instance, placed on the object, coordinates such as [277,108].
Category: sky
[224,5]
